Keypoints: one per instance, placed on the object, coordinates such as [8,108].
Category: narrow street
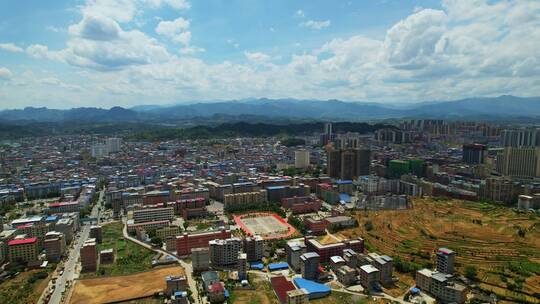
[187,267]
[71,270]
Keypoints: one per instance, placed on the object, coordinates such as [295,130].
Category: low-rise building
[369,276]
[175,284]
[346,275]
[186,242]
[106,256]
[441,286]
[153,214]
[297,296]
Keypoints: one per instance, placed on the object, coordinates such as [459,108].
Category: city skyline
[124,53]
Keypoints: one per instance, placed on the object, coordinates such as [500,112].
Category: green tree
[156,241]
[471,272]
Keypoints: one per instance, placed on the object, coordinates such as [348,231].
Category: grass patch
[25,287]
[129,257]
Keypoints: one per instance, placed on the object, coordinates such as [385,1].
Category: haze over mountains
[496,108]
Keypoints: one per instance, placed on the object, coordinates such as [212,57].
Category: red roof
[25,225]
[281,285]
[58,204]
[22,241]
[216,287]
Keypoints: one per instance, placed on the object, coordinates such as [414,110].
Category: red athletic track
[238,220]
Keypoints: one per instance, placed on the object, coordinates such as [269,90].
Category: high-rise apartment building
[200,258]
[523,162]
[445,260]
[224,253]
[23,250]
[301,159]
[89,255]
[243,266]
[113,144]
[309,265]
[474,153]
[95,232]
[521,138]
[347,164]
[253,247]
[54,245]
[328,135]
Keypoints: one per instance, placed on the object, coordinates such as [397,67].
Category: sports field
[122,288]
[266,225]
[503,246]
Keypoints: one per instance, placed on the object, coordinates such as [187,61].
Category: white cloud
[176,30]
[450,53]
[96,28]
[5,73]
[300,14]
[54,29]
[257,57]
[177,4]
[412,41]
[190,50]
[315,25]
[118,10]
[10,47]
[233,43]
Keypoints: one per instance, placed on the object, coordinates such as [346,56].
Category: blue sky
[103,53]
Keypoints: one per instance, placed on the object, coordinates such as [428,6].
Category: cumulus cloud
[10,47]
[5,73]
[412,41]
[467,48]
[176,30]
[177,4]
[315,25]
[118,10]
[257,57]
[96,28]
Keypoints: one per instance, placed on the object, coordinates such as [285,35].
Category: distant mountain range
[497,108]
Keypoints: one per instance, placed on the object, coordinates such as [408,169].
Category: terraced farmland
[484,236]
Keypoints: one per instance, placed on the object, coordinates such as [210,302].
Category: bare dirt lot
[501,244]
[122,288]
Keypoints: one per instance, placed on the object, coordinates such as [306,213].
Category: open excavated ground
[122,288]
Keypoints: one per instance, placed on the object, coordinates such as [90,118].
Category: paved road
[70,270]
[187,266]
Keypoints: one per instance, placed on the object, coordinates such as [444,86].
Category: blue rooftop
[275,187]
[345,197]
[278,266]
[51,218]
[257,266]
[315,290]
[344,182]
